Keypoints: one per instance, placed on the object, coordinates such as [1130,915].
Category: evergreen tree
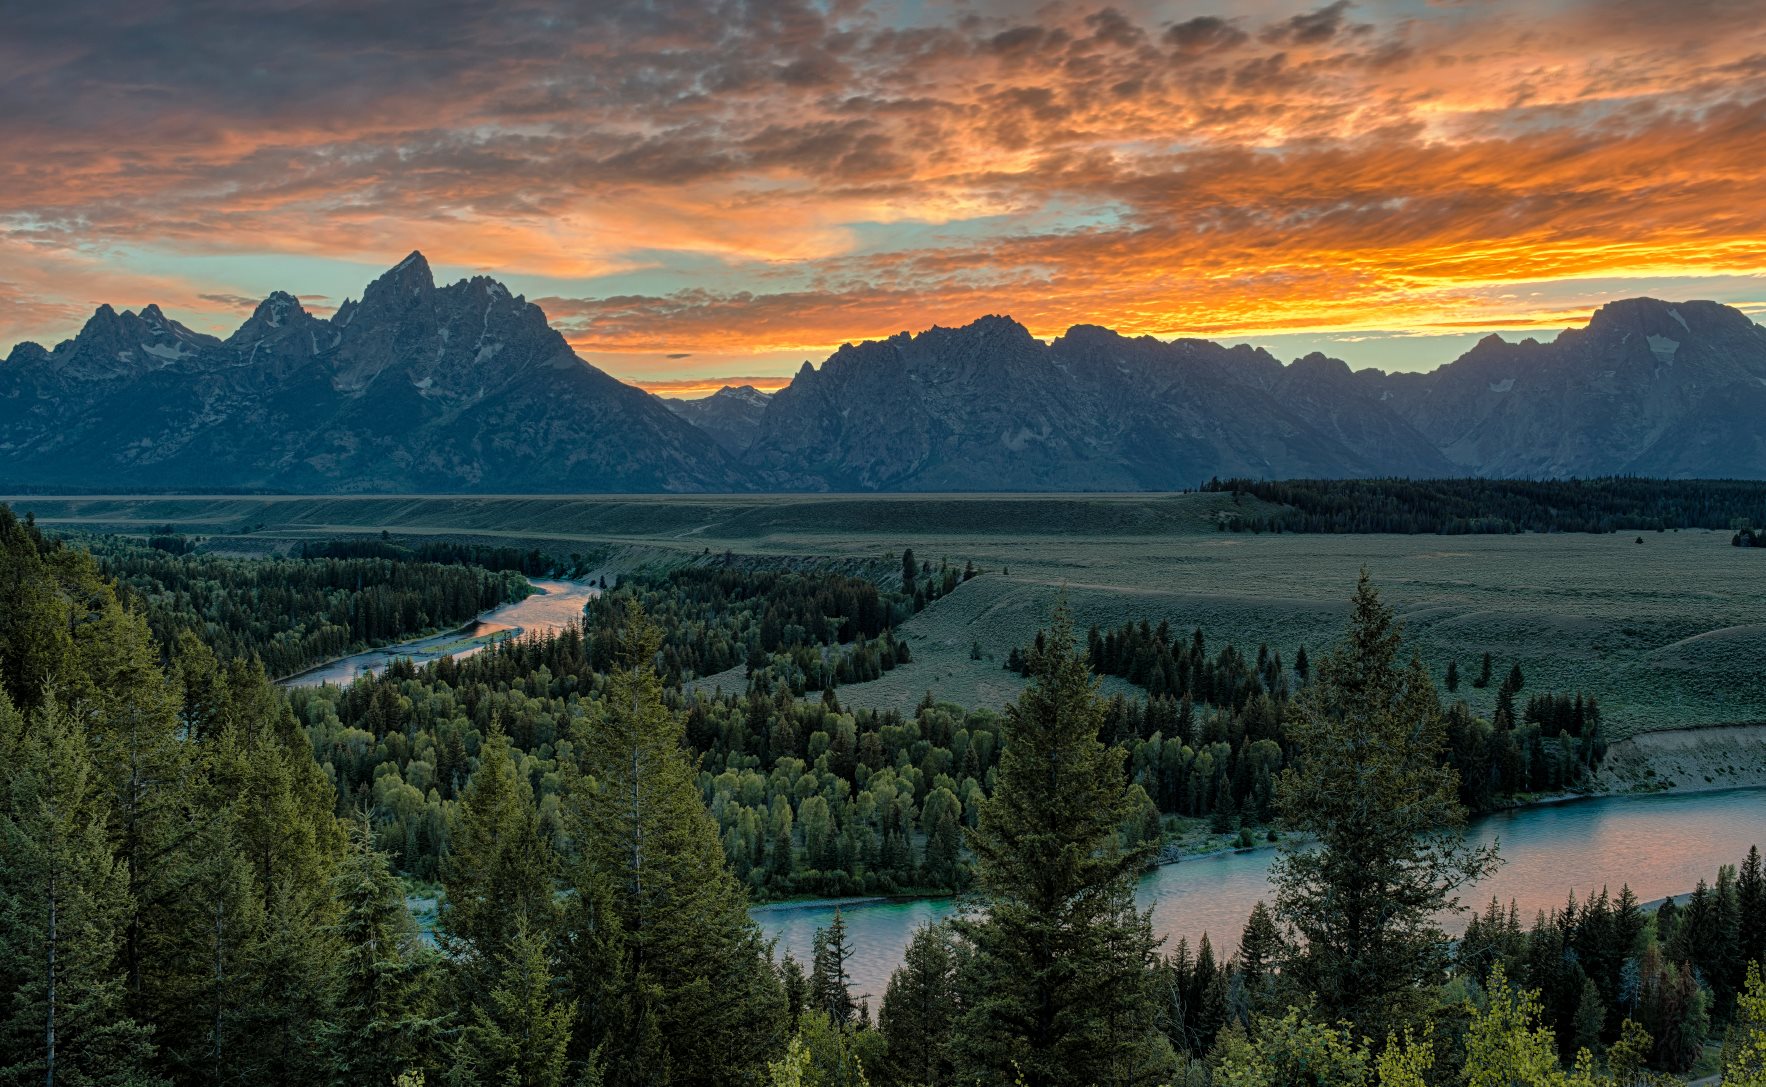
[379,975]
[1369,781]
[1258,960]
[143,757]
[246,935]
[829,990]
[1452,676]
[208,984]
[696,1001]
[1059,978]
[796,986]
[1674,1009]
[64,903]
[940,817]
[1750,890]
[498,875]
[518,1034]
[288,1010]
[920,1008]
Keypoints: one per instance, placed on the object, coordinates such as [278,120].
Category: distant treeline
[532,562]
[1465,506]
[292,613]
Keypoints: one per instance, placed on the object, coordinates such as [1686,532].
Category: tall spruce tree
[239,946]
[64,904]
[1369,782]
[200,1026]
[830,990]
[695,999]
[920,1009]
[288,1001]
[1059,977]
[1751,905]
[518,1027]
[1257,963]
[380,976]
[499,871]
[517,1034]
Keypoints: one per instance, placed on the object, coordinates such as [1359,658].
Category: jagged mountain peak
[27,352]
[1319,364]
[988,329]
[118,345]
[1678,320]
[467,387]
[409,277]
[489,287]
[987,326]
[731,415]
[747,394]
[415,263]
[278,312]
[411,389]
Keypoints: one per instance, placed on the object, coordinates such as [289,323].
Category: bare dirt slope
[1688,760]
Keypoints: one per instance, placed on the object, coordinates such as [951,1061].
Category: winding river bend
[1660,845]
[555,605]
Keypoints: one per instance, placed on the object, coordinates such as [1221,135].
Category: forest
[530,561]
[290,613]
[205,879]
[1468,506]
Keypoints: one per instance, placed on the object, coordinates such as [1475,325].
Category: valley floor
[1663,632]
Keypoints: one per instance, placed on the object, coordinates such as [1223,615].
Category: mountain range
[466,388]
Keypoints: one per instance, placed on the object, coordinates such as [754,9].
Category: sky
[709,191]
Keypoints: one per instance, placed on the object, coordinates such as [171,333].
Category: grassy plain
[1667,633]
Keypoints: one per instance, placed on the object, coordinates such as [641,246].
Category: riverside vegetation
[200,874]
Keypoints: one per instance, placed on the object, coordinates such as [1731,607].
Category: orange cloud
[751,182]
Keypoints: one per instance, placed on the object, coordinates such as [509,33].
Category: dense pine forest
[806,630]
[292,613]
[530,561]
[1464,506]
[205,879]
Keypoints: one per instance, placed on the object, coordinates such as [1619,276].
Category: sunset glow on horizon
[696,189]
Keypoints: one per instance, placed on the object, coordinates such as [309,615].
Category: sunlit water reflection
[556,605]
[1660,845]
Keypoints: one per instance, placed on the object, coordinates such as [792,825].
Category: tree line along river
[1660,844]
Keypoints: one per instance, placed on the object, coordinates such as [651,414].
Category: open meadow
[1666,632]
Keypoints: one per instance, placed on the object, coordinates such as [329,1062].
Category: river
[555,605]
[1659,844]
